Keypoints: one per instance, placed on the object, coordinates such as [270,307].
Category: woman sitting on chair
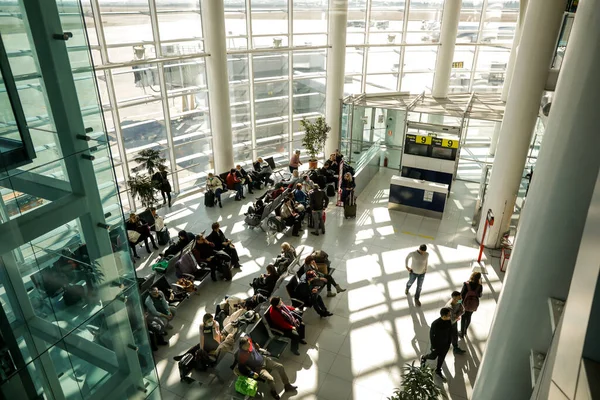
[134,224]
[265,283]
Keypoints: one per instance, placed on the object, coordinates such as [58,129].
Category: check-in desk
[417,197]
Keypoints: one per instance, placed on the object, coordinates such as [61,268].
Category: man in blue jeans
[417,270]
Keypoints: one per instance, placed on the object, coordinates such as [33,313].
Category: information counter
[417,197]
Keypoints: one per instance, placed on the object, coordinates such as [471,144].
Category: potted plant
[315,135]
[417,384]
[142,188]
[149,159]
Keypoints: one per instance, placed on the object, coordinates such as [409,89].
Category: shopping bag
[133,236]
[246,386]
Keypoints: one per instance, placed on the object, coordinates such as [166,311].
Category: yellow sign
[458,64]
[453,144]
[423,139]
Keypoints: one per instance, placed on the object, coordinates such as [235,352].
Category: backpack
[471,300]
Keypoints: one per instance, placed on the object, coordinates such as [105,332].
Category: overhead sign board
[419,139]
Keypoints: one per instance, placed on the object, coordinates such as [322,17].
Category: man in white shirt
[417,270]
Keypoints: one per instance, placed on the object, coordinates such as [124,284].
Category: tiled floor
[359,352]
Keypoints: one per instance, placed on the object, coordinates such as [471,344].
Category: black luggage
[187,363]
[330,190]
[350,207]
[209,199]
[163,237]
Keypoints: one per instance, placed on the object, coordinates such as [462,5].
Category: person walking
[162,183]
[417,270]
[318,202]
[471,293]
[456,311]
[295,162]
[440,337]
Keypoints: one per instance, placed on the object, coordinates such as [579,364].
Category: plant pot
[313,164]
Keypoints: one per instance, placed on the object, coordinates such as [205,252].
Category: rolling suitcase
[350,207]
[209,199]
[187,363]
[163,237]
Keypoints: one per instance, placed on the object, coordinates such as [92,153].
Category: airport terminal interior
[299,199]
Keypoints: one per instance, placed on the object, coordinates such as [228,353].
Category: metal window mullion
[112,98]
[290,78]
[479,36]
[403,47]
[363,85]
[251,79]
[163,91]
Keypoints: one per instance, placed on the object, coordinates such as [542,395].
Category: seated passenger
[184,238]
[307,184]
[300,196]
[329,175]
[314,284]
[245,177]
[215,185]
[311,265]
[266,282]
[134,224]
[155,330]
[210,339]
[157,305]
[235,183]
[217,237]
[204,252]
[264,171]
[256,365]
[333,165]
[286,319]
[291,216]
[288,254]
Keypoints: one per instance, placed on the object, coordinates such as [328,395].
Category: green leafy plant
[315,135]
[150,159]
[417,384]
[143,188]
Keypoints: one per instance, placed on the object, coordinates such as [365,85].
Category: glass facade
[150,65]
[71,322]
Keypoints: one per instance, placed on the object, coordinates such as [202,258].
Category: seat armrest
[188,276]
[276,331]
[297,303]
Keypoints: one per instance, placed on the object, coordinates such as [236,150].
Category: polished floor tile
[359,352]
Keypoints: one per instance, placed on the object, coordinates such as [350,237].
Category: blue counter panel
[416,198]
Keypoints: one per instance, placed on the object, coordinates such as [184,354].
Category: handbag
[159,224]
[187,285]
[133,236]
[246,386]
[324,216]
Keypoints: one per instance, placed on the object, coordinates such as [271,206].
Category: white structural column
[213,17]
[443,63]
[336,60]
[553,220]
[495,135]
[513,51]
[540,30]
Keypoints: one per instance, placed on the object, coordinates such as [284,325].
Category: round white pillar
[445,55]
[552,223]
[540,29]
[494,141]
[336,60]
[213,18]
[510,67]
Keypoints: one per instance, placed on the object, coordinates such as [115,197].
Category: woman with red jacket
[290,323]
[235,183]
